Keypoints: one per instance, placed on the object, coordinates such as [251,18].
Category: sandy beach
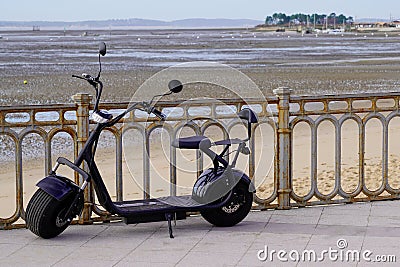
[308,65]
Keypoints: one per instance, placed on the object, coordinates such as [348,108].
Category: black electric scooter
[222,194]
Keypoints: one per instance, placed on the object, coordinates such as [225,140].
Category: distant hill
[198,22]
[137,23]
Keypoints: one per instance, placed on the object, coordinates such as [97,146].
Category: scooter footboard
[57,186]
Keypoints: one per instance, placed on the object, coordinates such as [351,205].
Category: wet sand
[309,64]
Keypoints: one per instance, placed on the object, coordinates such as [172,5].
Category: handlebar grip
[64,161]
[158,113]
[92,81]
[87,76]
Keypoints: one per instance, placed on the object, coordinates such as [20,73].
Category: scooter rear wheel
[236,209]
[44,213]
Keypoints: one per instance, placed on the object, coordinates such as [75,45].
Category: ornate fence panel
[282,113]
[18,122]
[337,110]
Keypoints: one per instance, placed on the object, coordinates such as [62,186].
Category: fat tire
[42,212]
[219,217]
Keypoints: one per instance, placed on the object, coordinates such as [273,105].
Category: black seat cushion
[192,142]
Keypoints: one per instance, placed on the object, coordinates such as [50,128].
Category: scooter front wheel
[234,211]
[45,215]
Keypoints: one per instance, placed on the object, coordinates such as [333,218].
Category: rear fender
[211,185]
[57,186]
[245,179]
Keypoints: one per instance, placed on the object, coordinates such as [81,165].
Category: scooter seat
[192,142]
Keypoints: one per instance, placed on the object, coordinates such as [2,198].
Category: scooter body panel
[57,186]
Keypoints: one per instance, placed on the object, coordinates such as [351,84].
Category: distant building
[365,25]
[377,25]
[382,25]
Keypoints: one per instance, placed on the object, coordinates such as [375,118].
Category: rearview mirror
[102,49]
[175,86]
[248,115]
[251,117]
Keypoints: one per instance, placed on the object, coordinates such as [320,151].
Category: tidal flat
[308,64]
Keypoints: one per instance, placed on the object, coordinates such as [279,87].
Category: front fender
[57,186]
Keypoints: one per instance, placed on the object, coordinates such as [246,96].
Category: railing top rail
[196,102]
[338,97]
[300,100]
[35,115]
[270,100]
[51,107]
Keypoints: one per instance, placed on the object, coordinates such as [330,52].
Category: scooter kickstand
[168,216]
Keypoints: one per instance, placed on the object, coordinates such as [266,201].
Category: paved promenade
[333,235]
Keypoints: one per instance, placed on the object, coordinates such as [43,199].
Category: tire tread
[41,212]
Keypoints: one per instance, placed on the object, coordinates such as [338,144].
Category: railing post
[283,146]
[82,118]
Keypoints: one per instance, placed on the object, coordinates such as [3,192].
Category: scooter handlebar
[64,161]
[79,77]
[88,78]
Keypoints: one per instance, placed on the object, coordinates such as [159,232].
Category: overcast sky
[76,10]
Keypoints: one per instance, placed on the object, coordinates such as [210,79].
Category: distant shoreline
[132,23]
[119,28]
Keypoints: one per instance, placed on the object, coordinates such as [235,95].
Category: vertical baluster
[284,153]
[82,119]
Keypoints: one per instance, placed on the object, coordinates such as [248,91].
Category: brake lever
[87,77]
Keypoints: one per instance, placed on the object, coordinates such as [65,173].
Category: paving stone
[195,258]
[326,241]
[384,221]
[8,249]
[166,255]
[383,231]
[73,261]
[285,228]
[283,239]
[381,242]
[344,219]
[340,230]
[306,211]
[304,219]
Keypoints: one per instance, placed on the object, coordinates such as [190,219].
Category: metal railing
[282,113]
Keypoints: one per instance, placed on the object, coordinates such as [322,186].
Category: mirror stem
[151,101]
[98,75]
